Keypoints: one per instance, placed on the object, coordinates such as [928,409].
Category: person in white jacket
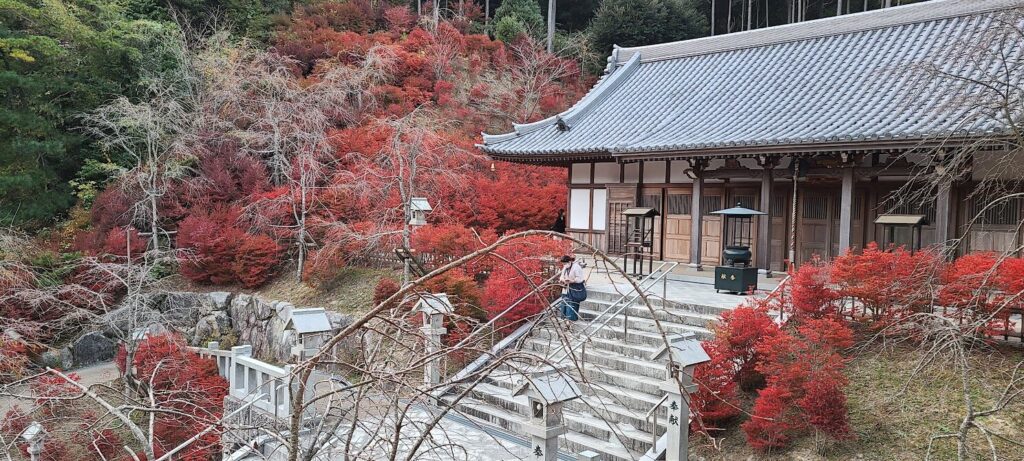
[573,279]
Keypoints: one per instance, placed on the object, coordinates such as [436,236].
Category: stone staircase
[619,381]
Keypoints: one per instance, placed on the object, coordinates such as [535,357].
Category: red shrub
[399,19]
[49,389]
[106,443]
[212,239]
[739,332]
[13,359]
[507,284]
[447,242]
[772,422]
[888,283]
[122,240]
[715,400]
[189,385]
[15,421]
[824,406]
[810,293]
[385,289]
[256,259]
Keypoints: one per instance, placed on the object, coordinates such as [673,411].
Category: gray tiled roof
[835,81]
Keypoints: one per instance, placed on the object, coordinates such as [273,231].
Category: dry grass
[350,290]
[894,425]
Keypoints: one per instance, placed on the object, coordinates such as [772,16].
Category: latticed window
[895,204]
[815,206]
[996,211]
[652,201]
[709,203]
[745,201]
[679,203]
[779,204]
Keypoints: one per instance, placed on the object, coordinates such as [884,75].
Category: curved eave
[807,148]
[569,117]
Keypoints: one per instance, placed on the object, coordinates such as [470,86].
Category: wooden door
[620,198]
[677,224]
[779,212]
[711,227]
[814,225]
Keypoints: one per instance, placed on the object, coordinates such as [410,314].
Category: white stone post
[684,353]
[433,308]
[433,329]
[546,392]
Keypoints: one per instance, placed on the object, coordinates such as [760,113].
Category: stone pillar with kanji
[684,353]
[433,308]
[546,391]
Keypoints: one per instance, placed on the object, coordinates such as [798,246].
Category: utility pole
[551,26]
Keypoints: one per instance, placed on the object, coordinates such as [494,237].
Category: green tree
[58,59]
[644,22]
[247,18]
[516,16]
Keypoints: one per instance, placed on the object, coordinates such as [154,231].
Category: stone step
[548,342]
[654,297]
[603,403]
[590,309]
[620,440]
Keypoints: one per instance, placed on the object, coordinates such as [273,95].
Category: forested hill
[62,59]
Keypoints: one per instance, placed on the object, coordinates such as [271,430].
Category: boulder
[92,348]
[57,358]
[211,327]
[221,300]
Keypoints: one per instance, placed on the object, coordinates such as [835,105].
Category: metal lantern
[735,274]
[418,208]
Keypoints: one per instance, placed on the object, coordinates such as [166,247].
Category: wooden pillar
[943,213]
[764,222]
[697,171]
[846,210]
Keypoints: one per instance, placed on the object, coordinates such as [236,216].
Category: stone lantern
[418,208]
[684,352]
[545,392]
[433,308]
[34,435]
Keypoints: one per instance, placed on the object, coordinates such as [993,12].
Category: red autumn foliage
[507,284]
[738,334]
[106,444]
[13,359]
[50,389]
[212,238]
[804,383]
[221,252]
[121,241]
[889,284]
[772,422]
[255,260]
[183,382]
[385,289]
[447,242]
[715,401]
[811,293]
[14,421]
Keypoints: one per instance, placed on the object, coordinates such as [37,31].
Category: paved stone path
[94,374]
